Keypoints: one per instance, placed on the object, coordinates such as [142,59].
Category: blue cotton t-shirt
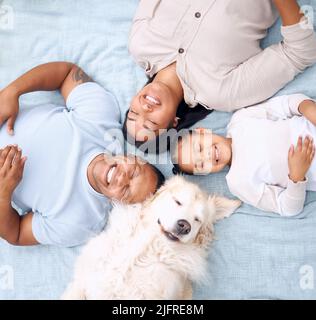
[60,142]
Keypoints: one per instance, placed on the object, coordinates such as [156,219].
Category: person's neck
[168,76]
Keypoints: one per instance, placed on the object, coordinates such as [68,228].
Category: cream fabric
[216,44]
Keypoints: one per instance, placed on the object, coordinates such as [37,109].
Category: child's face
[203,153]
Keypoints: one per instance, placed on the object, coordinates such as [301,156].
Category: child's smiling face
[203,152]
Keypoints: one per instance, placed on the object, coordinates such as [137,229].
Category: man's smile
[109,174]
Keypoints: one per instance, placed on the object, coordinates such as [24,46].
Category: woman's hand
[11,171]
[9,108]
[300,159]
[308,109]
[290,11]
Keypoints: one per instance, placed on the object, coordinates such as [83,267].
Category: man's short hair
[160,177]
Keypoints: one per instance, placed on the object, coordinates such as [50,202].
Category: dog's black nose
[183,227]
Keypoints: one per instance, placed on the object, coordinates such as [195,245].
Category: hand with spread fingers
[301,158]
[11,170]
[9,108]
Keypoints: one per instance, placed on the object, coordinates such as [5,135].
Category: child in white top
[269,148]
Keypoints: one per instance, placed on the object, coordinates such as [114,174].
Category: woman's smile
[152,99]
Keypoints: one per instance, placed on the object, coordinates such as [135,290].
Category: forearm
[287,202]
[45,77]
[289,10]
[9,222]
[308,110]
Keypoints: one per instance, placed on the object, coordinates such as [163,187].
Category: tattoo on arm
[79,75]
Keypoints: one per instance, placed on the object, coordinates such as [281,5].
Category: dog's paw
[224,207]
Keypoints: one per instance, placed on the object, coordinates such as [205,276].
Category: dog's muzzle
[168,234]
[183,227]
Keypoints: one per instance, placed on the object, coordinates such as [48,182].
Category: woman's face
[203,153]
[154,108]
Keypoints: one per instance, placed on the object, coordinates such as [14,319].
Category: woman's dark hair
[187,118]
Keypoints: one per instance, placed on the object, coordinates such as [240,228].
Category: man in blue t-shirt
[68,179]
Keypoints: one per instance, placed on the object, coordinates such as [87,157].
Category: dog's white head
[186,214]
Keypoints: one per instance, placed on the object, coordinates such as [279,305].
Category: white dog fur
[141,254]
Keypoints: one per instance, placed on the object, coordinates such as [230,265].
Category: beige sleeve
[287,202]
[263,75]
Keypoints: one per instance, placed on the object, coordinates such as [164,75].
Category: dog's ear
[223,207]
[205,235]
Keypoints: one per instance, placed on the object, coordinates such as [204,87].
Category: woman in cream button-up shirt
[208,53]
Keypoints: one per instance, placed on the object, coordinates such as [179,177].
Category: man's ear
[223,207]
[175,122]
[154,196]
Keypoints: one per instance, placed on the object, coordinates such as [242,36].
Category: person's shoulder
[90,102]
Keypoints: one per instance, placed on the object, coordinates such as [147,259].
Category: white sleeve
[279,108]
[284,201]
[263,75]
[91,103]
[287,202]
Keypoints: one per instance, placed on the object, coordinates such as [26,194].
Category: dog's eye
[177,202]
[197,219]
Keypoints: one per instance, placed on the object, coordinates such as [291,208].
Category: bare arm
[289,10]
[13,228]
[308,109]
[63,76]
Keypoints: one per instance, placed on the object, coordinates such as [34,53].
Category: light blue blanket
[256,254]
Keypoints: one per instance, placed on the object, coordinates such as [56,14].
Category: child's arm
[290,201]
[287,201]
[280,108]
[13,228]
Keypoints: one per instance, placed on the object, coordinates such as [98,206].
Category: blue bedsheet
[256,255]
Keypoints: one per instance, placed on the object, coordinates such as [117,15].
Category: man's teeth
[110,175]
[152,100]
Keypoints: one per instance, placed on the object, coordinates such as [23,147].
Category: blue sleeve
[92,103]
[49,231]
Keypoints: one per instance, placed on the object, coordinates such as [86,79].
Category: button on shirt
[60,142]
[216,45]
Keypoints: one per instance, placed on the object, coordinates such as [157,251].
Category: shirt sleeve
[263,75]
[51,232]
[279,108]
[287,202]
[90,102]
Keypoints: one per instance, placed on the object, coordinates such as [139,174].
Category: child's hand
[301,158]
[11,170]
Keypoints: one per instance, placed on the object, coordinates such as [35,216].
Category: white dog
[151,251]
